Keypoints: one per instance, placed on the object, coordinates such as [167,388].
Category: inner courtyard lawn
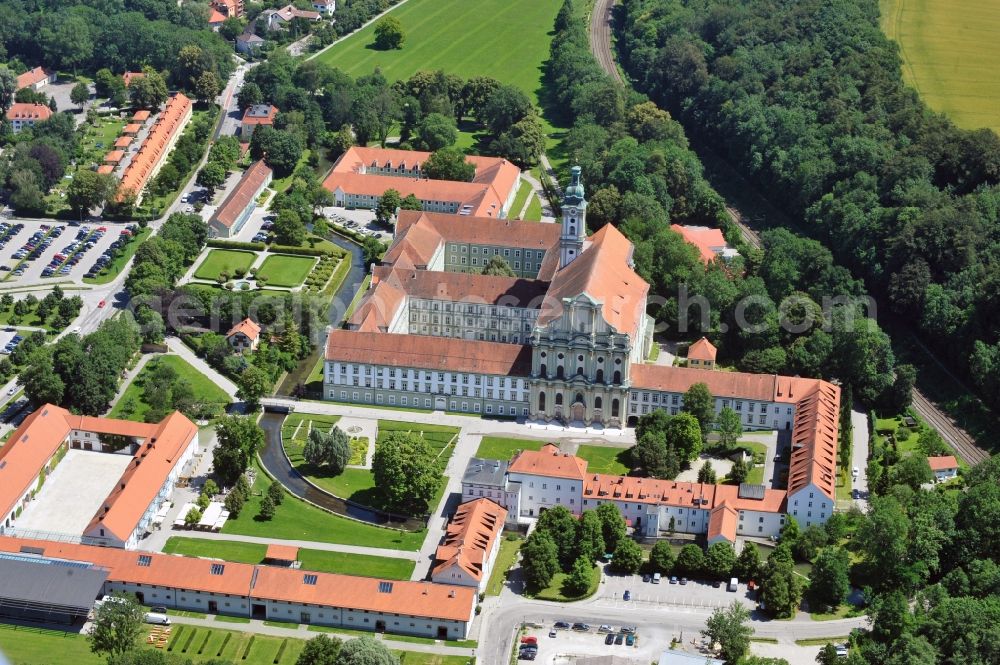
[285,269]
[508,41]
[297,520]
[949,55]
[132,406]
[504,447]
[603,459]
[228,260]
[311,559]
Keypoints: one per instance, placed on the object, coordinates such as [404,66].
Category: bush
[233,244]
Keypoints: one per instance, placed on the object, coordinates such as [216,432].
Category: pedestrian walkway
[302,544]
[178,347]
[547,214]
[302,632]
[129,377]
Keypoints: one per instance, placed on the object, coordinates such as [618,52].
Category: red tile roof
[602,272]
[709,241]
[722,523]
[425,352]
[277,552]
[492,185]
[128,77]
[215,16]
[548,461]
[140,116]
[33,76]
[735,385]
[114,156]
[27,450]
[132,128]
[105,169]
[942,462]
[468,287]
[154,148]
[702,350]
[123,141]
[36,112]
[243,194]
[470,537]
[260,114]
[378,308]
[633,489]
[248,327]
[814,440]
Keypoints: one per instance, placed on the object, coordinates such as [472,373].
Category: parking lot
[569,645]
[696,593]
[359,221]
[41,252]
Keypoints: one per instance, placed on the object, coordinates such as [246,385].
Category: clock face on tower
[572,211]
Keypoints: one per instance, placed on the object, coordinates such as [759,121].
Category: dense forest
[83,37]
[806,98]
[642,176]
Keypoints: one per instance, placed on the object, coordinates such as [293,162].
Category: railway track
[600,44]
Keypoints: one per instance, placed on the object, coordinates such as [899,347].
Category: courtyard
[73,492]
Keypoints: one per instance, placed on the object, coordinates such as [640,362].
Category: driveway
[643,595]
[859,456]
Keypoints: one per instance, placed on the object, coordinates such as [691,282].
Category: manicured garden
[224,262]
[285,269]
[555,590]
[604,459]
[297,520]
[311,559]
[504,447]
[295,432]
[132,406]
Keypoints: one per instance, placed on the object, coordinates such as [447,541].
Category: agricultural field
[285,269]
[318,560]
[508,41]
[219,261]
[949,55]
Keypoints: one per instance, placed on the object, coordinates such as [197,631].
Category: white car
[77,330]
[12,390]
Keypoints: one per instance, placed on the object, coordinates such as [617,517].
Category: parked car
[561,625]
[581,627]
[610,639]
[627,595]
[619,638]
[629,640]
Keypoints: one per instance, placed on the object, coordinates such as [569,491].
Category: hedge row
[234,244]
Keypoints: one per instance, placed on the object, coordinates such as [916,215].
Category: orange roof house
[722,524]
[283,553]
[702,354]
[944,467]
[140,116]
[123,142]
[255,116]
[21,115]
[114,157]
[469,548]
[710,242]
[131,129]
[550,462]
[188,582]
[128,77]
[105,169]
[361,175]
[244,336]
[230,217]
[159,142]
[35,78]
[160,448]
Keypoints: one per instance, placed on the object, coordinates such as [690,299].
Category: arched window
[598,402]
[541,401]
[559,399]
[614,408]
[579,399]
[600,376]
[572,230]
[560,374]
[545,372]
[579,371]
[617,377]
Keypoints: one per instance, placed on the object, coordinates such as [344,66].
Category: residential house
[710,242]
[944,467]
[325,7]
[128,77]
[22,115]
[701,354]
[255,116]
[35,79]
[159,142]
[249,44]
[276,19]
[244,336]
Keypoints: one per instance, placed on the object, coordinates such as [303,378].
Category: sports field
[950,55]
[507,40]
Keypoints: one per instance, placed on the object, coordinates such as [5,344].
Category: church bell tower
[574,220]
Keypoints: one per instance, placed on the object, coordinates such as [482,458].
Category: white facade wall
[755,414]
[759,524]
[941,475]
[509,499]
[363,619]
[810,506]
[541,492]
[183,599]
[457,575]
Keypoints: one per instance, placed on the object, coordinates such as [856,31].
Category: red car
[529,639]
[102,303]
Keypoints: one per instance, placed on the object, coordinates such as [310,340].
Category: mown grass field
[228,260]
[132,406]
[950,55]
[318,560]
[285,269]
[604,459]
[504,447]
[506,40]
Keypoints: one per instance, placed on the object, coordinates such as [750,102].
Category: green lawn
[949,55]
[603,459]
[132,407]
[285,269]
[534,211]
[298,520]
[523,192]
[554,591]
[504,447]
[117,264]
[228,260]
[295,433]
[318,560]
[509,547]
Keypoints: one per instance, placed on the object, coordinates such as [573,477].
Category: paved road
[859,456]
[177,346]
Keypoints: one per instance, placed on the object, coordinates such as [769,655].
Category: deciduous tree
[539,559]
[661,558]
[627,557]
[449,164]
[730,629]
[404,471]
[117,626]
[239,438]
[389,34]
